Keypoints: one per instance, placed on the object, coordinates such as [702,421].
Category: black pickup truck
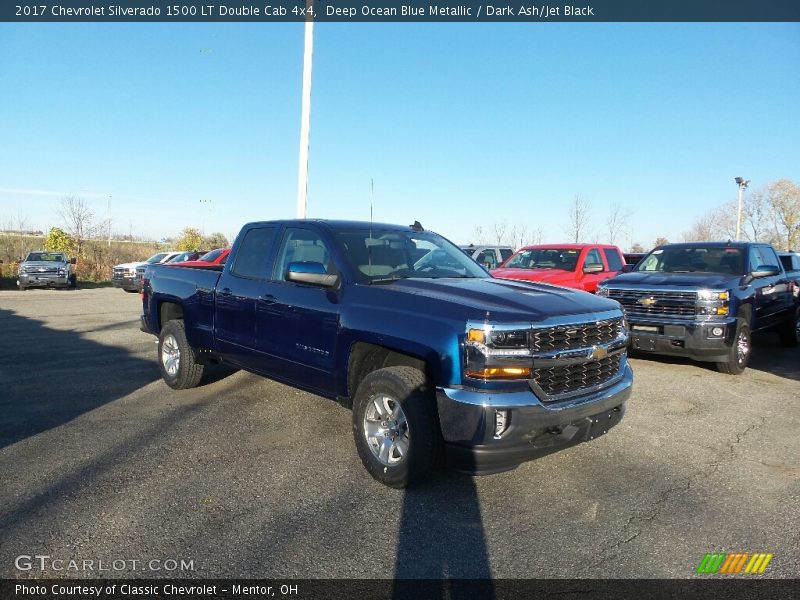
[435,356]
[703,300]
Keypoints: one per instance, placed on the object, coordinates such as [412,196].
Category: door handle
[267,299]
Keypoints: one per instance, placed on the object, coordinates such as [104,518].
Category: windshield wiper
[388,279]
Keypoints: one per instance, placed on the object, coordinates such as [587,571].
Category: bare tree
[637,247]
[579,218]
[617,220]
[707,227]
[783,197]
[79,220]
[660,241]
[518,235]
[478,236]
[500,231]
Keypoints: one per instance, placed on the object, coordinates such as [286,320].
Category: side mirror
[310,272]
[627,268]
[593,268]
[765,271]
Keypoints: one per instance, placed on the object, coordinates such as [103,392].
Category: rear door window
[253,255]
[613,259]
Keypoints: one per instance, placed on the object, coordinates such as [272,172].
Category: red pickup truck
[580,266]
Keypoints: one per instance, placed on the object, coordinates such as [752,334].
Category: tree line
[770,214]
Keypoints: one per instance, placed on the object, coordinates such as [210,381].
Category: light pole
[305,114]
[742,183]
[109,220]
[207,202]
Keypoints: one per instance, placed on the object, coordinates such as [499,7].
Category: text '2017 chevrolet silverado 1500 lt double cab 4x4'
[703,299]
[437,359]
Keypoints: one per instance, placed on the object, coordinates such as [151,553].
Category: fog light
[717,331]
[500,423]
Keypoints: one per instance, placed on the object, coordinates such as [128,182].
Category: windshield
[46,257]
[565,259]
[389,255]
[693,259]
[211,256]
[156,258]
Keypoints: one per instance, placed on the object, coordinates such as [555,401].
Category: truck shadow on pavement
[441,537]
[49,377]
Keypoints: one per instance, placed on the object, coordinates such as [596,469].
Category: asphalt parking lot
[244,477]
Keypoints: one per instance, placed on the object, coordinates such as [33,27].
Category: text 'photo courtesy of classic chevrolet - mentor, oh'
[440,362]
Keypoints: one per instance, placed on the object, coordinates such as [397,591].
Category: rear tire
[739,353]
[176,360]
[395,428]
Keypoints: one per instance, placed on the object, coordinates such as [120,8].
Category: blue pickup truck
[704,299]
[439,361]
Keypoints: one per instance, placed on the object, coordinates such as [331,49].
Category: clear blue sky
[458,124]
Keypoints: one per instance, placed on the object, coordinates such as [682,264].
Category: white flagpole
[305,121]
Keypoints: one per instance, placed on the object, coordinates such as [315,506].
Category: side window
[505,253]
[755,258]
[613,259]
[487,259]
[770,257]
[253,255]
[301,245]
[593,258]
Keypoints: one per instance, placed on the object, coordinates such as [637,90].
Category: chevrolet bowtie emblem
[599,353]
[646,301]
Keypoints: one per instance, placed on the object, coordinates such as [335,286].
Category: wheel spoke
[380,409]
[400,447]
[384,450]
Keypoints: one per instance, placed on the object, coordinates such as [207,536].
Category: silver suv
[488,256]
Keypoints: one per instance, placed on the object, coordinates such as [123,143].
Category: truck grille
[557,381]
[569,337]
[42,270]
[644,303]
[121,274]
[576,340]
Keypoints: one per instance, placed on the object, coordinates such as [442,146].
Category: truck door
[297,323]
[772,294]
[237,296]
[589,281]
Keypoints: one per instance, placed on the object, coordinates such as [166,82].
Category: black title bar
[412,11]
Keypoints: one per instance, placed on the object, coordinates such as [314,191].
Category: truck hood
[556,276]
[693,280]
[130,265]
[503,299]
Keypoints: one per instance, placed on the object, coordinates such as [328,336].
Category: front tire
[395,427]
[739,353]
[176,360]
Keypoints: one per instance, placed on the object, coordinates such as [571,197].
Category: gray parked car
[46,269]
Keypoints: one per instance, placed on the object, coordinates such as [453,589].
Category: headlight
[712,295]
[493,352]
[602,291]
[713,303]
[62,271]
